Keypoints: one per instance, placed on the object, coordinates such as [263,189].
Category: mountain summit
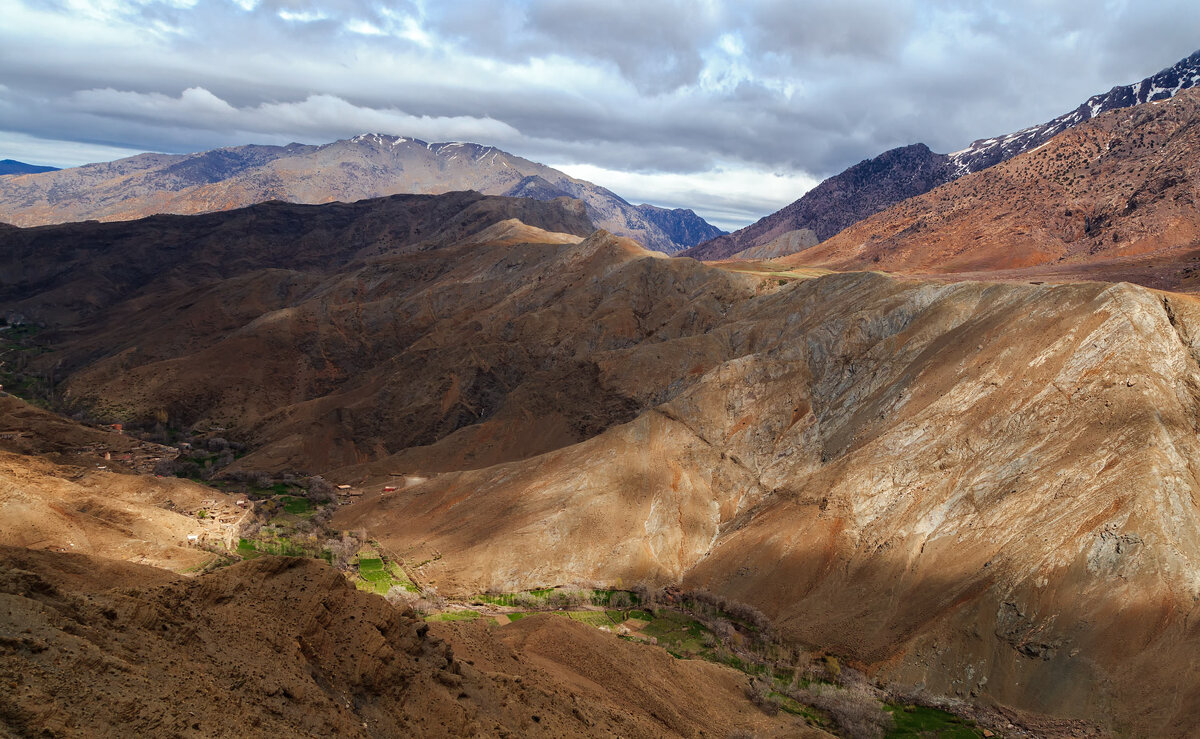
[366,166]
[876,184]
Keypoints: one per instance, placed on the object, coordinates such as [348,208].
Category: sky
[732,108]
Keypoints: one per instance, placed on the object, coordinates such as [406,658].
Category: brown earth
[984,489]
[980,488]
[1122,186]
[57,492]
[395,339]
[286,647]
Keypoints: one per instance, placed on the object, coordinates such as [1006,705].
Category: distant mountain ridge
[12,166]
[1113,196]
[366,166]
[873,185]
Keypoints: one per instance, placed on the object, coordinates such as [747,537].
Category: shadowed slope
[286,647]
[975,487]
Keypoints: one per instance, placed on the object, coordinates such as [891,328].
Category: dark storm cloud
[797,89]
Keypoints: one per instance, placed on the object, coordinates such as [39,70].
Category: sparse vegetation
[700,625]
[454,616]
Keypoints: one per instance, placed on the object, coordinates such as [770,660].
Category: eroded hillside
[980,487]
[984,489]
[285,646]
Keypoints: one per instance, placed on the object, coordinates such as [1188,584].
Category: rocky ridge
[1104,198]
[874,185]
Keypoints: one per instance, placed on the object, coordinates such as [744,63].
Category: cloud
[708,91]
[728,197]
[57,153]
[317,117]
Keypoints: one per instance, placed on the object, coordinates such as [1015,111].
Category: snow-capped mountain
[365,166]
[876,184]
[986,152]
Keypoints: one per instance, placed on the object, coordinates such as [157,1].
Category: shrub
[759,693]
[342,550]
[319,490]
[854,709]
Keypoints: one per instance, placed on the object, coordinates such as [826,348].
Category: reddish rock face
[876,184]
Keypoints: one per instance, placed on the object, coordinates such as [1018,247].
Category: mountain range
[876,184]
[978,488]
[366,166]
[930,440]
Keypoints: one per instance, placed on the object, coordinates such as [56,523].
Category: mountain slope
[681,225]
[862,190]
[1122,186]
[388,324]
[981,489]
[67,487]
[983,153]
[876,184]
[285,646]
[12,166]
[367,166]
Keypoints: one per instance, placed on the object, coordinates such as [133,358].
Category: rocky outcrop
[862,190]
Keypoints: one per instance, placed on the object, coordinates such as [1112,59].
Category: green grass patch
[592,618]
[282,546]
[794,707]
[296,506]
[246,550]
[377,576]
[517,616]
[641,615]
[541,592]
[454,616]
[913,722]
[676,632]
[400,578]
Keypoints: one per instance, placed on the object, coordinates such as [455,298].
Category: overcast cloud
[732,108]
